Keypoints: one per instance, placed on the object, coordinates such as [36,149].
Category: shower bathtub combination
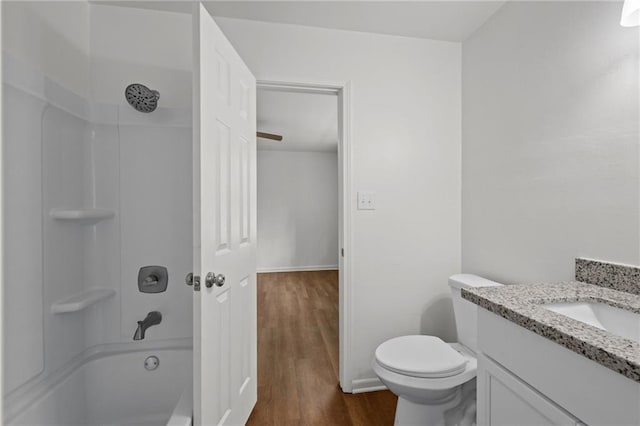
[98,321]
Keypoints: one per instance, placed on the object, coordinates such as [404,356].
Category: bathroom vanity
[563,354]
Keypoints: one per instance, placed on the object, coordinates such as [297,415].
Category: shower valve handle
[212,279]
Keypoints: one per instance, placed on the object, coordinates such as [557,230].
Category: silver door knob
[189,278]
[212,279]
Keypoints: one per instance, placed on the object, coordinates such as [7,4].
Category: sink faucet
[153,318]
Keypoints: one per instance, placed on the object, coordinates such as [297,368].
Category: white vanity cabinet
[505,400]
[525,379]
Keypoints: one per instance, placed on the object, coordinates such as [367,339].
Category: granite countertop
[522,304]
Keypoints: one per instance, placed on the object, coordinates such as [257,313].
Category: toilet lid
[420,356]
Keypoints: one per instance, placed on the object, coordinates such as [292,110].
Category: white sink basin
[614,320]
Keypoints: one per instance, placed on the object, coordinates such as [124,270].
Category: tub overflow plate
[151,363]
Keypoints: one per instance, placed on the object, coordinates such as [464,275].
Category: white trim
[343,90]
[297,87]
[346,288]
[297,268]
[2,207]
[367,385]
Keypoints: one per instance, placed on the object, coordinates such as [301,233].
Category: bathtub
[110,385]
[183,412]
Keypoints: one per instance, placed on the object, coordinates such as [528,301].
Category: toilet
[434,380]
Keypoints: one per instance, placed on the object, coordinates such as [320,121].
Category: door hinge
[342,252]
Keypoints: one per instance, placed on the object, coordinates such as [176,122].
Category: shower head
[141,97]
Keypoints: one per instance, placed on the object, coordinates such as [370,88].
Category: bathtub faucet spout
[153,318]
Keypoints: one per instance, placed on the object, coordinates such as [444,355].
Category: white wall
[550,141]
[406,148]
[52,38]
[297,210]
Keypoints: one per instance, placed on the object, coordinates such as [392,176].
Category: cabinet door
[505,400]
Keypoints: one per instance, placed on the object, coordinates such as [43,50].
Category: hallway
[298,357]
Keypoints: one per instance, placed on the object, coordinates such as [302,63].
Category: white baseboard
[297,268]
[367,385]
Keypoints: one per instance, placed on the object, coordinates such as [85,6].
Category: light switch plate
[366,200]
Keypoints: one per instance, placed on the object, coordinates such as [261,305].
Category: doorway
[297,175]
[301,255]
[341,92]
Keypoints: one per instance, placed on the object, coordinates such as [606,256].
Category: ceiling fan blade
[269,136]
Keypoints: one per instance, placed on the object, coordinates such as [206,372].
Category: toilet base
[411,414]
[459,410]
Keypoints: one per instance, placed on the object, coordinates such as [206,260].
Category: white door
[224,144]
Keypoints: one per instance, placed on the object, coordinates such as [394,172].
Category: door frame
[345,254]
[2,207]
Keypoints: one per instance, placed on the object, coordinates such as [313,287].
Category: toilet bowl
[434,380]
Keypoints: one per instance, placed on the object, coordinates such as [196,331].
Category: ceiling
[439,20]
[307,121]
[449,20]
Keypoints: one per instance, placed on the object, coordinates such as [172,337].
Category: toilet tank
[466,313]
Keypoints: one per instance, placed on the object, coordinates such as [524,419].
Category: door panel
[245,203]
[225,332]
[222,190]
[505,400]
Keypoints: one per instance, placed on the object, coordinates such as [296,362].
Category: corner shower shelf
[85,216]
[82,300]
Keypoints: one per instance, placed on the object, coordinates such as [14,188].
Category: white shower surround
[93,155]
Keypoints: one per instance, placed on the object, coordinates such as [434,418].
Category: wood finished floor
[298,357]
